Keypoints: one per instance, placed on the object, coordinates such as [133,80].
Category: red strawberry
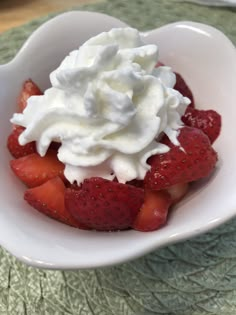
[15,148]
[49,199]
[183,88]
[192,160]
[34,170]
[104,205]
[209,121]
[29,88]
[153,213]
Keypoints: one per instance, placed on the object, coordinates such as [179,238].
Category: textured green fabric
[195,277]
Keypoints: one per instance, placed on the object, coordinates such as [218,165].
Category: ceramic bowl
[207,60]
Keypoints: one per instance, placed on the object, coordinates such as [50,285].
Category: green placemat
[196,277]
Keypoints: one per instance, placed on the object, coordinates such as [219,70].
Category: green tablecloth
[195,277]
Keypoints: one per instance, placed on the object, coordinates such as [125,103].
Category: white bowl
[206,58]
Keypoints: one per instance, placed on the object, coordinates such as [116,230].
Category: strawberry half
[154,211]
[209,121]
[29,89]
[192,160]
[48,199]
[104,205]
[15,148]
[34,170]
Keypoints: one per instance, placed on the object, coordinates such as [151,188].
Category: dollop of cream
[107,106]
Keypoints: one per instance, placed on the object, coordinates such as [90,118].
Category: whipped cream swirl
[107,106]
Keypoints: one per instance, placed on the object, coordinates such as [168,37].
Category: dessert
[117,135]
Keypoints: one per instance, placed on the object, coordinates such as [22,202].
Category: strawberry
[48,198]
[15,148]
[192,160]
[29,88]
[209,121]
[104,205]
[183,88]
[34,170]
[153,213]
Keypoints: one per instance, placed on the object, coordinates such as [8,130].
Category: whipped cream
[107,106]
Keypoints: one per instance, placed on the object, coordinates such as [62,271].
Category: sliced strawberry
[48,198]
[192,160]
[15,148]
[153,213]
[29,88]
[104,205]
[34,170]
[177,192]
[209,121]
